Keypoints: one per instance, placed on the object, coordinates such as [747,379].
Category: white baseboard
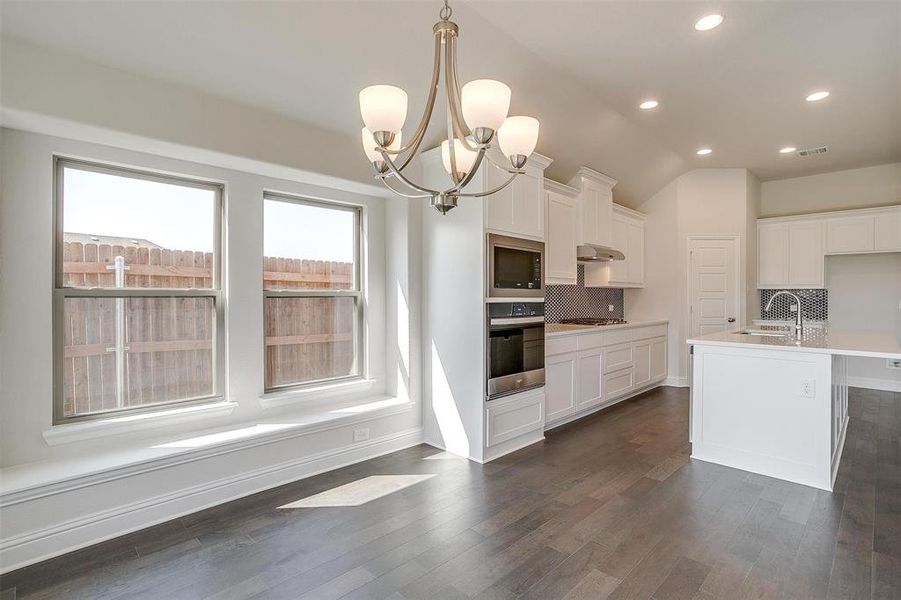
[871,383]
[676,381]
[35,546]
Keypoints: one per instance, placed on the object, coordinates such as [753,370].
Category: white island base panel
[780,413]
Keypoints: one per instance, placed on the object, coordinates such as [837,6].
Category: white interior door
[713,289]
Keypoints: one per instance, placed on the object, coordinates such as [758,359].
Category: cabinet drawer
[652,331]
[617,384]
[512,417]
[561,345]
[617,357]
[618,336]
[593,340]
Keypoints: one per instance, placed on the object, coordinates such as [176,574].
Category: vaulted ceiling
[580,67]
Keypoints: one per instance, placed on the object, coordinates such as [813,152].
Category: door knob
[731,319]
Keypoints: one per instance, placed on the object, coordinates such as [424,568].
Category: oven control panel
[500,310]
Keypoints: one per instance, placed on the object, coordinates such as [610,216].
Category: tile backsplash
[580,302]
[815,305]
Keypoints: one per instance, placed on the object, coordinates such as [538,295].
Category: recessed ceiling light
[648,104]
[817,96]
[704,151]
[709,22]
[787,150]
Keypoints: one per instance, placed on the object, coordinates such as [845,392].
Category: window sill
[117,424]
[327,391]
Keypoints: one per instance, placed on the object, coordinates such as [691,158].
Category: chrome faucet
[799,319]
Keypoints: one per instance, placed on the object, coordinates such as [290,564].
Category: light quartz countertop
[845,342]
[561,329]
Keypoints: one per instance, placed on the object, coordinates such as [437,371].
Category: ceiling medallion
[476,114]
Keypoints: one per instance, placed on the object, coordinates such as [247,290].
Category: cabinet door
[635,253]
[560,386]
[641,356]
[590,390]
[619,269]
[658,358]
[772,254]
[806,262]
[561,239]
[888,231]
[528,205]
[847,235]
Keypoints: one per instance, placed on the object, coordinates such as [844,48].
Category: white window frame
[61,292]
[357,293]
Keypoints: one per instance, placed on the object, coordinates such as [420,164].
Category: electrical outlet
[893,363]
[609,308]
[808,388]
[361,435]
[793,308]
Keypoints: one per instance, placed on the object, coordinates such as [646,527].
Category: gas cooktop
[594,322]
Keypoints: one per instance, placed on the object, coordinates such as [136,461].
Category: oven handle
[518,321]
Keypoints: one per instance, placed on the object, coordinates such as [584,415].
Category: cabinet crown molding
[588,173]
[560,188]
[625,210]
[832,214]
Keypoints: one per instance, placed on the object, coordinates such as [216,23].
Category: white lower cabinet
[641,356]
[509,418]
[588,371]
[560,374]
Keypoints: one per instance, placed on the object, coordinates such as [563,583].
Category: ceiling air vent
[812,151]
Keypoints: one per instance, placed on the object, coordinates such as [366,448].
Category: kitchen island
[766,402]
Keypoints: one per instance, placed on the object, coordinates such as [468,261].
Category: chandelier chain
[446,12]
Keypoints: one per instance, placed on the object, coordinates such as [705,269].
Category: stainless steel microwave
[515,267]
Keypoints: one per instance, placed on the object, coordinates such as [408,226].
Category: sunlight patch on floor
[359,492]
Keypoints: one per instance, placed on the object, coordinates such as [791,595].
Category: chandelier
[476,115]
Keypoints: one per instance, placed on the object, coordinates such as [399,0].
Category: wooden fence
[169,340]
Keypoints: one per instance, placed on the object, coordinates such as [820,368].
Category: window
[137,308]
[312,294]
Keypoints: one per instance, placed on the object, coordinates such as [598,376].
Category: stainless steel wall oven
[515,347]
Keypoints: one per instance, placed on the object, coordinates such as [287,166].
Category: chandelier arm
[453,95]
[452,148]
[472,173]
[400,193]
[418,136]
[489,192]
[399,175]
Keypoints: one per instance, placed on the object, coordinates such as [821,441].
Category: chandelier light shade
[517,138]
[485,104]
[384,108]
[465,158]
[476,115]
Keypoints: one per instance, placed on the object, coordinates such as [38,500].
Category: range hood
[595,253]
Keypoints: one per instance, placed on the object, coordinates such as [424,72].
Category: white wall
[865,293]
[700,202]
[39,524]
[839,190]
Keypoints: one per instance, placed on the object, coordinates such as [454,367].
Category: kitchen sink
[763,333]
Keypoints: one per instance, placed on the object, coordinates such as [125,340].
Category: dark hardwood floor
[609,507]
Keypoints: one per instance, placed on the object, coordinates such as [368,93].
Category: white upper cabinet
[790,254]
[595,206]
[518,209]
[791,251]
[847,235]
[888,232]
[627,236]
[806,266]
[772,254]
[561,230]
